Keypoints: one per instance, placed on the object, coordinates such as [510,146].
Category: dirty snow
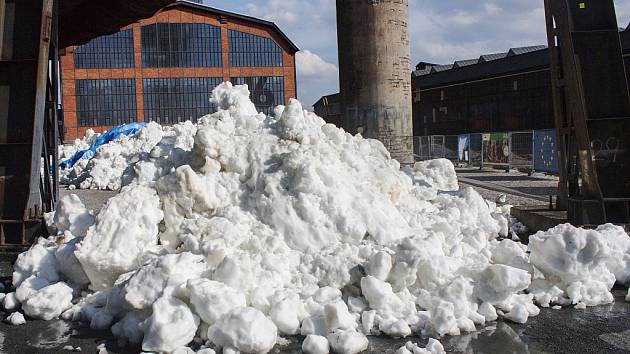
[241,228]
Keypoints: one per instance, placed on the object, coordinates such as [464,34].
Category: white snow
[244,329]
[580,266]
[433,347]
[16,319]
[243,227]
[314,344]
[172,325]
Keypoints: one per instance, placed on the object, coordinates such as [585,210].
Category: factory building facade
[163,68]
[499,92]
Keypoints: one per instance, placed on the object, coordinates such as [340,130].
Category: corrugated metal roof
[491,57]
[523,50]
[422,72]
[438,68]
[467,62]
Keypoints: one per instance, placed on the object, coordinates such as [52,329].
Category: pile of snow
[114,164]
[243,228]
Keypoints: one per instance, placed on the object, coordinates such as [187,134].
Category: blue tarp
[111,135]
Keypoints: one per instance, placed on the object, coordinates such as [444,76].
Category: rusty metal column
[375,72]
[23,98]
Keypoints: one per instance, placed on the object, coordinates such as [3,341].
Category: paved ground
[519,188]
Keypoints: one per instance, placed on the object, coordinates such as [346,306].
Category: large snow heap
[243,227]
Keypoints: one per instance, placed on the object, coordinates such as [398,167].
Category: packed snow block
[71,215]
[576,260]
[160,277]
[314,344]
[347,342]
[49,302]
[16,319]
[439,174]
[39,261]
[172,325]
[433,347]
[287,312]
[125,229]
[497,282]
[246,330]
[211,300]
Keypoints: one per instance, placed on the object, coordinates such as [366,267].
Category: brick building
[163,68]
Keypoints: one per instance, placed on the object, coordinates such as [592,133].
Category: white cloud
[312,65]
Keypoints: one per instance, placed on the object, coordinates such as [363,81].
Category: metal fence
[533,150]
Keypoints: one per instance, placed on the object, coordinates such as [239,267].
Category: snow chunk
[575,260]
[439,174]
[211,300]
[124,230]
[71,215]
[172,325]
[160,277]
[16,319]
[433,347]
[49,302]
[244,329]
[314,344]
[347,342]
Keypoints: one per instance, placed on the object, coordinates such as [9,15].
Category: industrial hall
[162,68]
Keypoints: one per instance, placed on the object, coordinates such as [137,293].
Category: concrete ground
[519,188]
[602,329]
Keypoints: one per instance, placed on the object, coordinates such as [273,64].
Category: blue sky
[441,31]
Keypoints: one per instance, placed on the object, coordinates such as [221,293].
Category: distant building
[498,92]
[163,68]
[329,108]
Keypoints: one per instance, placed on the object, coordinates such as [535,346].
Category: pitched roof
[523,50]
[259,21]
[466,62]
[490,57]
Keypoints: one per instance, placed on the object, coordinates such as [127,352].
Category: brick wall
[174,15]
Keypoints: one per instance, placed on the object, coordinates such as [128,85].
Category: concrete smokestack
[375,72]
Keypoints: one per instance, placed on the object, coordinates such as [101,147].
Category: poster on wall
[545,151]
[496,148]
[463,147]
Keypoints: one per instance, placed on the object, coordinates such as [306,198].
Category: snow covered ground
[240,229]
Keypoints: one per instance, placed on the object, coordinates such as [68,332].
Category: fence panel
[421,148]
[521,151]
[463,148]
[437,146]
[451,144]
[496,149]
[546,151]
[476,147]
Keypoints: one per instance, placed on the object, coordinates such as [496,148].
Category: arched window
[249,50]
[181,45]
